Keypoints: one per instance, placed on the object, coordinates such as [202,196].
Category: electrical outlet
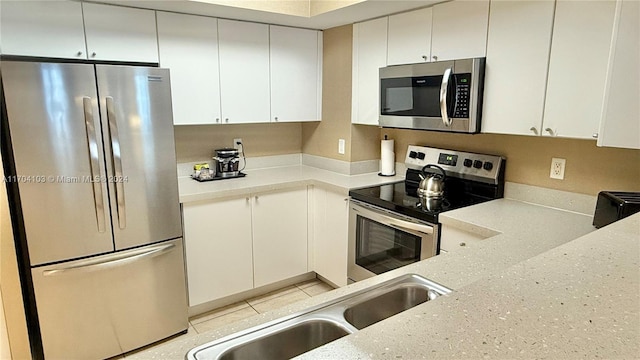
[235,143]
[557,168]
[341,144]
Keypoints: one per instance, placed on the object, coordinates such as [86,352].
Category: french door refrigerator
[94,201]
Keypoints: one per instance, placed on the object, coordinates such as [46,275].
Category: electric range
[390,226]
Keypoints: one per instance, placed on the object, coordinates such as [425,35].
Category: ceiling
[330,13]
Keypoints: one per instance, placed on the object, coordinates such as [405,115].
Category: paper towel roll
[387,158]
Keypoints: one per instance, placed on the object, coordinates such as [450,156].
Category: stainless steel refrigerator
[94,202]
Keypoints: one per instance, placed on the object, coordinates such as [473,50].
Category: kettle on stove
[432,183]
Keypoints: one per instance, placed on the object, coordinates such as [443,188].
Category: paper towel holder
[381,165]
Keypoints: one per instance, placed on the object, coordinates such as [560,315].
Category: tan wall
[365,142]
[197,142]
[10,283]
[288,7]
[589,169]
[322,6]
[321,139]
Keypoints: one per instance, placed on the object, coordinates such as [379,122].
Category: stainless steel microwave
[440,96]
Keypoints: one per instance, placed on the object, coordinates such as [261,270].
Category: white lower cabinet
[330,235]
[279,235]
[234,245]
[218,248]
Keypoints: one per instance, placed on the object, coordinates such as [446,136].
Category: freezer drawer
[107,305]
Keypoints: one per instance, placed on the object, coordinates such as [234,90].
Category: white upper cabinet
[409,37]
[460,30]
[42,28]
[244,71]
[518,46]
[369,55]
[620,123]
[188,46]
[296,68]
[578,68]
[117,33]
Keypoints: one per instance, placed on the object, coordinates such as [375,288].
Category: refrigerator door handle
[94,164]
[116,156]
[114,260]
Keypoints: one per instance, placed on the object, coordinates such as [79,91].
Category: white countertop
[277,178]
[547,286]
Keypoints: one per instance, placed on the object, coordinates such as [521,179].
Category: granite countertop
[547,285]
[277,178]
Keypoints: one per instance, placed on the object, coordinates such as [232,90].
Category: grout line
[254,309]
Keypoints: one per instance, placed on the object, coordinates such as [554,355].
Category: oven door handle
[411,227]
[400,224]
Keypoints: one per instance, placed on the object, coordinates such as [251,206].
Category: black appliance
[615,205]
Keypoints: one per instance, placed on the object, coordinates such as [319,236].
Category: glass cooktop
[399,198]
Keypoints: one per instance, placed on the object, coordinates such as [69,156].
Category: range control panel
[472,166]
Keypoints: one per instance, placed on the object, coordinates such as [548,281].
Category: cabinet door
[279,235]
[244,71]
[218,248]
[518,46]
[188,46]
[578,68]
[409,37]
[296,63]
[460,30]
[619,126]
[331,227]
[120,34]
[42,28]
[369,55]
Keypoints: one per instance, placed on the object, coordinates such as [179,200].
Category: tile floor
[244,309]
[258,305]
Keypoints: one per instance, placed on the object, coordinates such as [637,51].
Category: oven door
[380,240]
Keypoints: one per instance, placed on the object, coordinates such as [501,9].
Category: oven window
[380,248]
[411,96]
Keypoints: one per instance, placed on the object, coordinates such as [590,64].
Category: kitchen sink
[387,304]
[287,343]
[293,335]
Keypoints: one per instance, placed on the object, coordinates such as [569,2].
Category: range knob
[421,155]
[467,162]
[477,164]
[413,154]
[487,165]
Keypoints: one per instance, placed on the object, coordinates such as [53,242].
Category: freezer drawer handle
[116,156]
[94,163]
[115,260]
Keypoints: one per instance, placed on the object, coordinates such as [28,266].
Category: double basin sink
[293,335]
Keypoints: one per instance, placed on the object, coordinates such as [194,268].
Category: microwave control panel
[463,92]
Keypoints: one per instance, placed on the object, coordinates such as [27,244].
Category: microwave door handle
[443,97]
